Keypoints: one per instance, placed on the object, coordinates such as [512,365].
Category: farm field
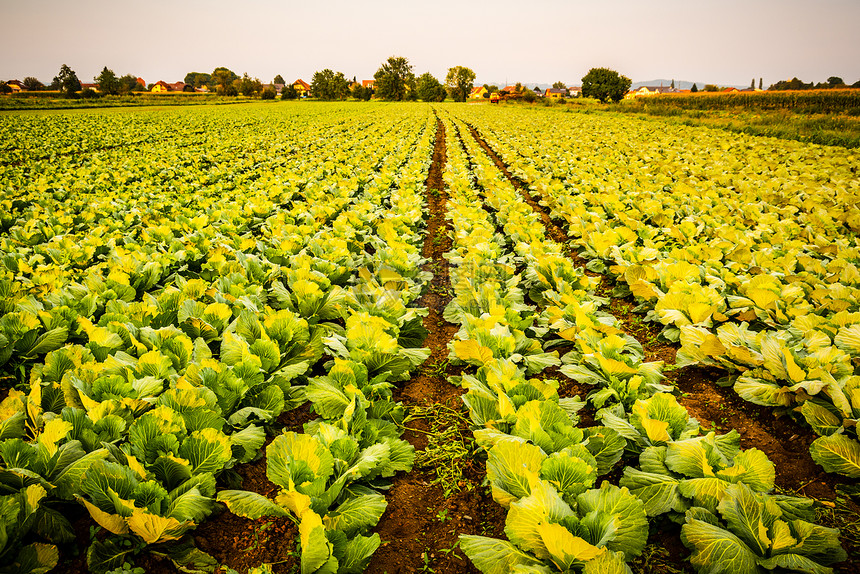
[310,337]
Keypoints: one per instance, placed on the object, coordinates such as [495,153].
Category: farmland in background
[448,338]
[827,117]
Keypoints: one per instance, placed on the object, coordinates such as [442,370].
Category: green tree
[459,82]
[759,83]
[33,84]
[329,85]
[67,81]
[108,82]
[394,79]
[529,96]
[430,89]
[559,86]
[835,81]
[279,79]
[200,79]
[694,89]
[268,93]
[248,86]
[605,84]
[358,92]
[711,88]
[128,83]
[222,79]
[5,88]
[289,93]
[752,84]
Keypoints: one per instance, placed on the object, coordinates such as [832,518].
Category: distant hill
[680,84]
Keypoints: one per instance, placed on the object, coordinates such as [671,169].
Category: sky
[726,42]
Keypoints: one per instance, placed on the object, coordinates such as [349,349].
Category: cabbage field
[372,337]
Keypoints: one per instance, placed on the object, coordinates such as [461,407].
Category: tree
[222,79]
[605,84]
[394,79]
[357,91]
[279,79]
[429,88]
[67,81]
[200,79]
[248,86]
[328,85]
[33,84]
[268,93]
[835,81]
[673,85]
[5,88]
[108,82]
[559,86]
[752,84]
[792,84]
[289,93]
[459,82]
[128,83]
[759,83]
[711,88]
[529,96]
[694,89]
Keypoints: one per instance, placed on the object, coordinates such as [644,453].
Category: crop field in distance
[402,337]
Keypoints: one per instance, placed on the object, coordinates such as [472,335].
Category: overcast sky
[533,41]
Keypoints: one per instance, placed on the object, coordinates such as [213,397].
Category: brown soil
[782,439]
[420,529]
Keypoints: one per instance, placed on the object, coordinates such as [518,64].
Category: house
[477,93]
[648,91]
[731,90]
[278,88]
[178,87]
[368,84]
[89,86]
[141,83]
[556,93]
[574,91]
[303,89]
[160,86]
[16,85]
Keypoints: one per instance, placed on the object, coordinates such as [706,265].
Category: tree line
[832,83]
[395,80]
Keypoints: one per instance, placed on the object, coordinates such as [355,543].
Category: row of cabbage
[745,249]
[516,294]
[173,351]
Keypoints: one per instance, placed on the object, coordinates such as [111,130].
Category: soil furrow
[441,498]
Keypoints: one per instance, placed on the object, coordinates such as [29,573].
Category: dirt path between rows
[782,439]
[442,497]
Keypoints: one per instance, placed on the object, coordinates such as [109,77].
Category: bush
[529,96]
[89,94]
[289,93]
[268,93]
